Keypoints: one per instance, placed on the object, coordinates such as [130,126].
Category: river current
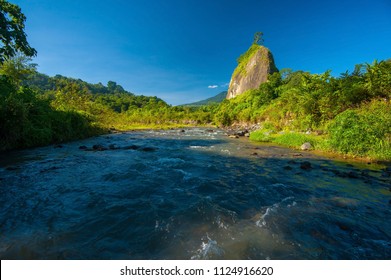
[193,194]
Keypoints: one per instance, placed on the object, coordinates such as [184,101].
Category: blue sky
[186,50]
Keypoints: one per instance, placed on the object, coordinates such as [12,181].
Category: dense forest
[350,114]
[38,110]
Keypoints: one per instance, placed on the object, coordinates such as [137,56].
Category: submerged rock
[113,147]
[98,147]
[306,165]
[132,147]
[149,149]
[83,147]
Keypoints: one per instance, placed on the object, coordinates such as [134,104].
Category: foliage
[12,36]
[365,131]
[244,58]
[18,68]
[300,101]
[258,38]
[26,120]
[295,140]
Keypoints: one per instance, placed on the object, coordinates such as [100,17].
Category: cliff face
[252,70]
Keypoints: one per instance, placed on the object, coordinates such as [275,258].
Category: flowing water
[190,195]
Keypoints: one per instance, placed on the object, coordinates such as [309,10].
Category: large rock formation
[252,70]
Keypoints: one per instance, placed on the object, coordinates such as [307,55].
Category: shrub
[363,132]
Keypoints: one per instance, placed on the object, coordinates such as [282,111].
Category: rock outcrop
[252,70]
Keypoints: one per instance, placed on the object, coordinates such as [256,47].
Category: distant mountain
[215,99]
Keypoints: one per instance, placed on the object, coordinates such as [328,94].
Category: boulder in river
[98,147]
[113,147]
[306,165]
[131,147]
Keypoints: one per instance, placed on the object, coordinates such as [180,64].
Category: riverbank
[315,141]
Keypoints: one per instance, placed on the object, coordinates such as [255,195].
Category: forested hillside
[350,114]
[43,110]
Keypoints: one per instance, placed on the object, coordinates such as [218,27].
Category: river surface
[195,194]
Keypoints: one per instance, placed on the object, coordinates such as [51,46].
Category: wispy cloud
[224,85]
[213,86]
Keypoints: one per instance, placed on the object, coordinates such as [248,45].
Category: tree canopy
[12,35]
[258,38]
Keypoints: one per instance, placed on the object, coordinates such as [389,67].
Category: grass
[289,139]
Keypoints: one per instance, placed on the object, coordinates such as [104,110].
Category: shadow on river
[189,195]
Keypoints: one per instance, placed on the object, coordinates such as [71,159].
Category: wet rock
[254,154]
[132,147]
[233,136]
[209,130]
[353,175]
[247,134]
[287,167]
[59,146]
[306,146]
[83,147]
[386,172]
[344,227]
[292,162]
[49,169]
[113,147]
[306,165]
[338,173]
[297,155]
[12,168]
[98,147]
[149,149]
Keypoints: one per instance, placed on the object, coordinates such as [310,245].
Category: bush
[363,132]
[295,140]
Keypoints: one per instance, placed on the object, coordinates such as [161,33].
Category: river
[192,194]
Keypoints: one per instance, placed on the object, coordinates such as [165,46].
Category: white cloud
[224,85]
[213,86]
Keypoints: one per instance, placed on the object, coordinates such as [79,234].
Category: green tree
[12,35]
[17,68]
[258,38]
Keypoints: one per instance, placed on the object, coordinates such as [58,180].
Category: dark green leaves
[12,35]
